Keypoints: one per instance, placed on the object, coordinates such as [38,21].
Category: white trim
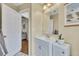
[29,39]
[24,10]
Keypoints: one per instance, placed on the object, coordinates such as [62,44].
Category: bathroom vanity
[45,46]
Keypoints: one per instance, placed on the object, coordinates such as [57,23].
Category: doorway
[24,46]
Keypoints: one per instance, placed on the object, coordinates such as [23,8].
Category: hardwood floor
[24,46]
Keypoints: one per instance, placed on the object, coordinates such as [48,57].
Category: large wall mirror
[53,21]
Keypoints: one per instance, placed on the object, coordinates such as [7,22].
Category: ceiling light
[49,4]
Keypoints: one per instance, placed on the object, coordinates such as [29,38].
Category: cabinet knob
[63,52]
[39,47]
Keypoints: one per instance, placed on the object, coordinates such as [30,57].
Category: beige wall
[45,23]
[70,34]
[36,13]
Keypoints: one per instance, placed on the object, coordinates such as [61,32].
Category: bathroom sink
[51,38]
[42,37]
[49,46]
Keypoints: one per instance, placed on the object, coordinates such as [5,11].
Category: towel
[2,43]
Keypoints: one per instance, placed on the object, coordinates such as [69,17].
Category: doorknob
[4,36]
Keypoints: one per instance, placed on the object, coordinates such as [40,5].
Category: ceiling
[19,6]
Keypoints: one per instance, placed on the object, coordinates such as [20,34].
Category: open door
[11,28]
[25,39]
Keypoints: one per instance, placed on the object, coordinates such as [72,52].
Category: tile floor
[20,54]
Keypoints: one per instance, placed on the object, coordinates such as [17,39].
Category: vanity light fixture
[47,5]
[44,7]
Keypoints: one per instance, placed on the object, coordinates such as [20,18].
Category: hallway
[24,46]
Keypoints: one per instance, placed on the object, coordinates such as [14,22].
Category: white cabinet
[41,47]
[60,49]
[46,47]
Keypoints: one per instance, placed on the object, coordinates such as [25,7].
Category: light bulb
[45,7]
[49,4]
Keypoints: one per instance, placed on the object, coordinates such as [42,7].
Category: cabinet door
[58,51]
[11,28]
[38,47]
[42,48]
[45,48]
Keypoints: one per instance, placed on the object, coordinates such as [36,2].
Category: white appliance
[46,47]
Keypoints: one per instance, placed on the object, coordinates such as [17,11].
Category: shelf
[72,14]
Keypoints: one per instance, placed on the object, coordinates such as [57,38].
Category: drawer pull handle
[63,52]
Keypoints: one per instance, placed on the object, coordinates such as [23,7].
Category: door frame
[29,31]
